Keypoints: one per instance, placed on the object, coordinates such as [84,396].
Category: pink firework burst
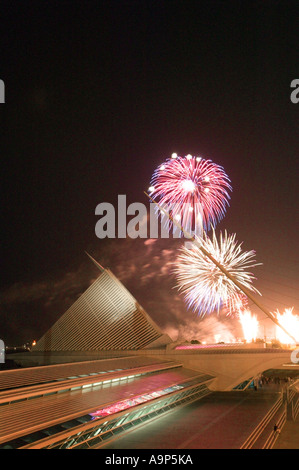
[193,190]
[235,303]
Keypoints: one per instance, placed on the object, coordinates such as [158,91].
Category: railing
[256,433]
[295,408]
[280,411]
[294,404]
[291,394]
[269,443]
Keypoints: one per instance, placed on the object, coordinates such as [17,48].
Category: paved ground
[222,420]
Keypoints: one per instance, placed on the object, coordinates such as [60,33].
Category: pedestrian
[276,429]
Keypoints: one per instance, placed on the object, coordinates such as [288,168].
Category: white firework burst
[205,287]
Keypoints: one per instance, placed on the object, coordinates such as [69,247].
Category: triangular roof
[105,317]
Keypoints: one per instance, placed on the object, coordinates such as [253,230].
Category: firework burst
[290,322]
[249,324]
[194,189]
[205,287]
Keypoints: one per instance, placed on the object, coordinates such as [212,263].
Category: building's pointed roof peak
[98,265]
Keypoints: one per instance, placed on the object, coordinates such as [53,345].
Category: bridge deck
[221,420]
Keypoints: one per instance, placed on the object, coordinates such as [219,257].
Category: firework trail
[205,287]
[194,189]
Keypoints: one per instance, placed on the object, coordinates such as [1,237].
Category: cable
[284,295]
[279,283]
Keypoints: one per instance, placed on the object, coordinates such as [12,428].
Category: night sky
[98,94]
